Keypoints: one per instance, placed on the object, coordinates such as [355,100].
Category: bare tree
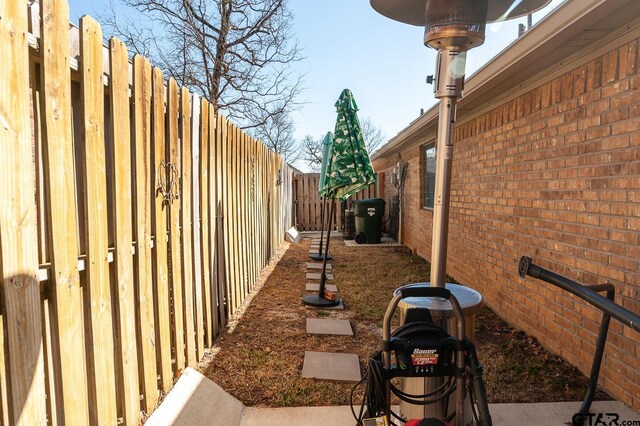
[312,149]
[236,53]
[276,131]
[372,135]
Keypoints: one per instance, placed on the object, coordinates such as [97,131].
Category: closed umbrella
[349,168]
[326,148]
[348,171]
[326,151]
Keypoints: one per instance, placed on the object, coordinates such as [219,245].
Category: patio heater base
[319,302]
[319,256]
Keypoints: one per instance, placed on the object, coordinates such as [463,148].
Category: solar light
[451,27]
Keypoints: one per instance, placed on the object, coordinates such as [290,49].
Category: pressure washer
[423,350]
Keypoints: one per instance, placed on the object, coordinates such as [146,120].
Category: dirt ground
[259,359]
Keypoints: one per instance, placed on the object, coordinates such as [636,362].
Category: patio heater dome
[455,22]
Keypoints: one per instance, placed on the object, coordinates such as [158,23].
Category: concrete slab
[338,307]
[316,234]
[195,401]
[548,413]
[316,287]
[336,327]
[316,276]
[384,242]
[331,366]
[555,413]
[290,416]
[318,265]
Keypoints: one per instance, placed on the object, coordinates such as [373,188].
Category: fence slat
[230,230]
[173,174]
[216,296]
[239,215]
[197,239]
[205,191]
[185,223]
[61,215]
[102,363]
[121,172]
[225,144]
[18,215]
[222,252]
[143,230]
[242,212]
[254,212]
[159,219]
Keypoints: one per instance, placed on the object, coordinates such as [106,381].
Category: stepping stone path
[336,327]
[331,366]
[325,365]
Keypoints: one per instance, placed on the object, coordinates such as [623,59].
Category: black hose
[623,315]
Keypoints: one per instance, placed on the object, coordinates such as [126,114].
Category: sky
[347,44]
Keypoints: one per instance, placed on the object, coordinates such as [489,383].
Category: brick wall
[554,174]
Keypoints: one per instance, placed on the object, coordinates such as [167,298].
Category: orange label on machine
[424,357]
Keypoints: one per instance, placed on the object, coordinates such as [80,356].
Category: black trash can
[369,214]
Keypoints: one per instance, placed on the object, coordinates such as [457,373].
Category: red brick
[610,67]
[561,183]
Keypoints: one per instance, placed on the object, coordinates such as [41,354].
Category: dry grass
[260,361]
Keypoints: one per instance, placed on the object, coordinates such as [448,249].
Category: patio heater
[451,27]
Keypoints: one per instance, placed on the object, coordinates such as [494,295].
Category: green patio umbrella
[348,170]
[326,149]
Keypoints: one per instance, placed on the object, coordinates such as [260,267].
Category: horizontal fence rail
[134,220]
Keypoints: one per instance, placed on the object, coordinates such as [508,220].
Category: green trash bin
[369,214]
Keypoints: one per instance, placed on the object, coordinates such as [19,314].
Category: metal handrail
[590,295]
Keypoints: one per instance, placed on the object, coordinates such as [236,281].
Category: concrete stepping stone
[316,276]
[338,307]
[336,327]
[318,265]
[331,366]
[316,249]
[316,287]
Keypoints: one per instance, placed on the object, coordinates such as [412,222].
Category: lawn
[259,360]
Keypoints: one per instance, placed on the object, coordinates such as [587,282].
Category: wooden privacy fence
[134,220]
[307,203]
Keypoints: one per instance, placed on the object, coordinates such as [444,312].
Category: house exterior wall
[553,173]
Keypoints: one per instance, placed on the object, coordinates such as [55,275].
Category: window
[428,174]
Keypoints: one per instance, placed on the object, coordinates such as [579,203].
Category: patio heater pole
[449,82]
